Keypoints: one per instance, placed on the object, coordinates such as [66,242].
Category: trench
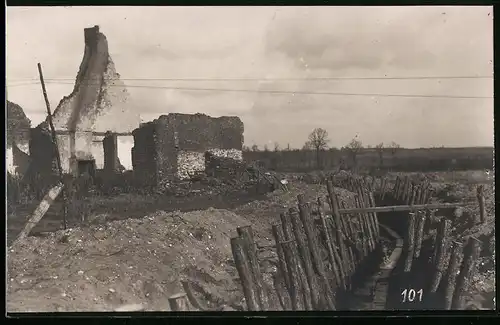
[377,287]
[409,290]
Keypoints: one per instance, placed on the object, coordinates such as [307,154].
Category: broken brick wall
[144,154]
[180,141]
[17,139]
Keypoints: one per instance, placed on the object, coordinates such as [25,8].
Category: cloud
[277,42]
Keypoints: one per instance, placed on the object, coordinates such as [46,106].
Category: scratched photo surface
[249,158]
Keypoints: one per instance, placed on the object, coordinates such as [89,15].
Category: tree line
[318,141]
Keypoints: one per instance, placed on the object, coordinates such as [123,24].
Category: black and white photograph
[208,159]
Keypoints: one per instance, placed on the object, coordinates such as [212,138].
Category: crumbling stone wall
[99,102]
[144,153]
[180,141]
[18,137]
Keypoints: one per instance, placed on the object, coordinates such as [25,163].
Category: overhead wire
[61,81]
[289,79]
[293,92]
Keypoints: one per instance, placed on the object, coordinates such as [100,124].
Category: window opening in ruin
[86,167]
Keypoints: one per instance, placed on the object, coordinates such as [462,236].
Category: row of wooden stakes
[304,280]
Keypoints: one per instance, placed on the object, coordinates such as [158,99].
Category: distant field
[425,159]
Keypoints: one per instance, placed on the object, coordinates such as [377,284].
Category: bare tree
[266,148]
[307,146]
[394,148]
[318,140]
[380,151]
[353,148]
[276,147]
[255,147]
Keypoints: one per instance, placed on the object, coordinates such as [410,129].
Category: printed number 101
[410,295]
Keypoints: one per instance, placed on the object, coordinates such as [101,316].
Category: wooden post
[311,288]
[375,217]
[282,291]
[420,233]
[54,141]
[410,242]
[363,231]
[303,289]
[451,277]
[406,191]
[291,262]
[329,244]
[244,271]
[278,238]
[471,254]
[326,300]
[366,221]
[247,234]
[358,250]
[481,201]
[178,302]
[440,254]
[383,188]
[334,205]
[397,185]
[413,195]
[419,194]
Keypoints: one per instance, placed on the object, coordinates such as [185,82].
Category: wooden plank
[40,211]
[400,208]
[95,133]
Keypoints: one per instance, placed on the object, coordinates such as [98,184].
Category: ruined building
[18,137]
[99,103]
[174,145]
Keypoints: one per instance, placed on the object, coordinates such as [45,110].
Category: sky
[277,43]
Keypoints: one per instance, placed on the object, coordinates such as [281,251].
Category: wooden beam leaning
[40,211]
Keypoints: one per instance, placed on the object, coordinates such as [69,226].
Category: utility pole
[56,150]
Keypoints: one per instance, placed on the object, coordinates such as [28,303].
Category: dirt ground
[137,251]
[139,260]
